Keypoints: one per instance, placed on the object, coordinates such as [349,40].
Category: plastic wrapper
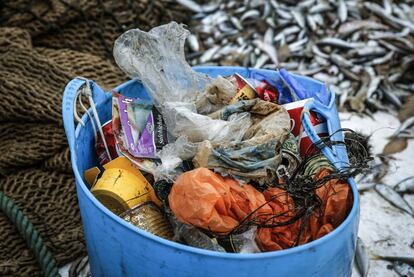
[193,236]
[209,201]
[218,93]
[258,155]
[184,120]
[157,59]
[241,243]
[172,157]
[123,147]
[141,127]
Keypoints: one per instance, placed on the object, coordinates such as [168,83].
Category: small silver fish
[342,11]
[207,55]
[405,186]
[339,43]
[403,269]
[195,7]
[298,16]
[404,259]
[251,14]
[361,258]
[365,186]
[394,198]
[408,123]
[193,43]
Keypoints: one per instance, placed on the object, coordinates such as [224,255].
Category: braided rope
[31,235]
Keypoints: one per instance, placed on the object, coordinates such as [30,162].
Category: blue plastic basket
[117,248]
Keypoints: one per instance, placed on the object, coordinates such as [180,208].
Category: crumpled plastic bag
[172,157]
[191,235]
[217,94]
[337,201]
[282,237]
[258,155]
[209,201]
[183,120]
[241,243]
[157,59]
[336,197]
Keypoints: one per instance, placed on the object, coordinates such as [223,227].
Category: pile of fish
[363,49]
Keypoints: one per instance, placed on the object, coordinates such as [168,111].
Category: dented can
[295,110]
[147,216]
[244,90]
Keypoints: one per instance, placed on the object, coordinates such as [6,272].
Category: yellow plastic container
[121,186]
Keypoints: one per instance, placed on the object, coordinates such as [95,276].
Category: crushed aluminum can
[244,90]
[295,109]
[110,141]
[148,217]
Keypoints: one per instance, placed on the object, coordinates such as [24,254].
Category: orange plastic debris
[278,238]
[336,199]
[207,200]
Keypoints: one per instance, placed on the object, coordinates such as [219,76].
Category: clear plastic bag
[157,59]
[183,120]
[192,235]
[242,243]
[172,156]
[258,155]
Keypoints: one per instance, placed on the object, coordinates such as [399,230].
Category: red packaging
[267,92]
[110,141]
[319,124]
[264,90]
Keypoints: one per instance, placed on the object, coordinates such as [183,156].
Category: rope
[31,235]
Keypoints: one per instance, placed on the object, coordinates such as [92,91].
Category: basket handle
[336,154]
[68,101]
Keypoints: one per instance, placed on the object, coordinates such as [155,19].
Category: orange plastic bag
[207,200]
[278,238]
[336,199]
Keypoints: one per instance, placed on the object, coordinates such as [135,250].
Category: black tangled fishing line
[302,188]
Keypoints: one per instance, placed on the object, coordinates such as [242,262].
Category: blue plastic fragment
[299,92]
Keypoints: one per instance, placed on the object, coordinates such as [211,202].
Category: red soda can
[295,110]
[264,90]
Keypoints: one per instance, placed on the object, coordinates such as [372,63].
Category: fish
[407,124]
[394,198]
[403,269]
[365,186]
[193,43]
[361,258]
[405,185]
[342,10]
[404,259]
[317,34]
[195,7]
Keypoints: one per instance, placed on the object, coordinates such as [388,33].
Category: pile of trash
[217,163]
